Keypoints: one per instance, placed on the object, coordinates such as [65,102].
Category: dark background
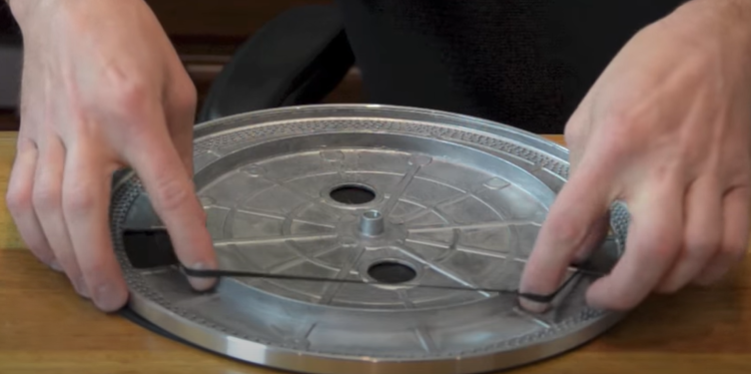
[205,34]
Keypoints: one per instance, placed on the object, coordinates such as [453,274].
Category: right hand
[102,89]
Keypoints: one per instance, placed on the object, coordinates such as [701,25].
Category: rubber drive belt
[152,248]
[148,249]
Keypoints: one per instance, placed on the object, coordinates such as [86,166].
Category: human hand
[666,129]
[102,89]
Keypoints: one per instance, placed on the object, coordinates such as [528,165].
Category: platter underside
[374,194]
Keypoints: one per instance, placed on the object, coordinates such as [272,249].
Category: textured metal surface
[355,192]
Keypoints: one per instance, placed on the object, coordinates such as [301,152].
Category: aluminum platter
[360,192]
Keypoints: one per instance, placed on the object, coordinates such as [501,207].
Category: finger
[47,199]
[181,120]
[182,139]
[702,237]
[172,195]
[180,111]
[20,203]
[86,189]
[654,240]
[596,236]
[581,202]
[735,236]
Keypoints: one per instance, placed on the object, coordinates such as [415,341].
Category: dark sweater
[526,63]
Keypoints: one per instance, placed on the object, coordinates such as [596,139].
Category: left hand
[667,129]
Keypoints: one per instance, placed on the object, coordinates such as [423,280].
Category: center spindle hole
[391,272]
[352,194]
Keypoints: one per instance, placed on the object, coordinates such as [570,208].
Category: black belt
[148,249]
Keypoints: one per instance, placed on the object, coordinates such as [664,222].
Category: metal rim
[215,338]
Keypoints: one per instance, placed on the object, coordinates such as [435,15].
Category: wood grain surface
[46,328]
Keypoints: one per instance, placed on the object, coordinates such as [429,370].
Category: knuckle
[18,199]
[697,67]
[617,147]
[46,196]
[567,232]
[78,200]
[127,97]
[129,94]
[186,96]
[661,243]
[172,194]
[621,119]
[573,134]
[627,127]
[664,252]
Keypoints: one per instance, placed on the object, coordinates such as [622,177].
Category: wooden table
[46,328]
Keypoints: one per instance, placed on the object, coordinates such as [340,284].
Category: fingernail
[81,288]
[54,265]
[202,284]
[108,298]
[533,306]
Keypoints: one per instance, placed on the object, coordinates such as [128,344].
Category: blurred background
[205,34]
